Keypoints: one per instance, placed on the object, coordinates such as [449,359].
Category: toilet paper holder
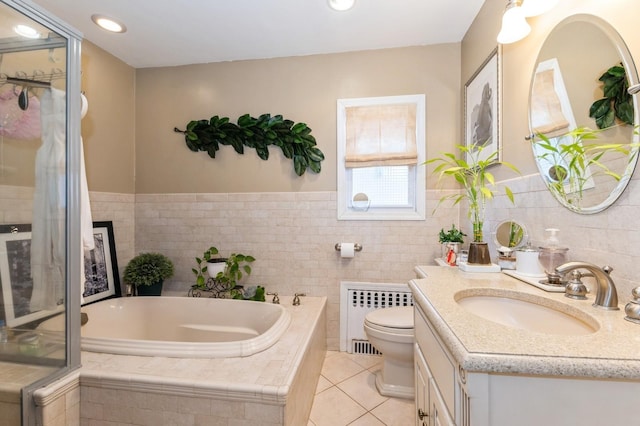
[356,247]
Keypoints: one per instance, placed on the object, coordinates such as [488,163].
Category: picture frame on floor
[102,280]
[16,285]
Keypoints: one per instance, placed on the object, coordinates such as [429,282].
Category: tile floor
[347,395]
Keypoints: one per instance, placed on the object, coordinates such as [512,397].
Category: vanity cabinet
[435,377]
[492,395]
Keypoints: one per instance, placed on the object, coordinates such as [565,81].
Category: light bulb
[341,5]
[514,25]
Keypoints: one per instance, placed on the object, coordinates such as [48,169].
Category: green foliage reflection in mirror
[294,139]
[617,103]
[578,159]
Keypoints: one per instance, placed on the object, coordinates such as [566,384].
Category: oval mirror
[581,116]
[510,234]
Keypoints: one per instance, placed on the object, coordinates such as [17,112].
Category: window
[381,146]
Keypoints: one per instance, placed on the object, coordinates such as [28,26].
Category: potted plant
[471,172]
[451,240]
[225,274]
[146,273]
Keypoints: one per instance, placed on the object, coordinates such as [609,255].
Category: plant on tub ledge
[146,273]
[220,276]
[477,182]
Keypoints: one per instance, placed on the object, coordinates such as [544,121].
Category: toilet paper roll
[347,250]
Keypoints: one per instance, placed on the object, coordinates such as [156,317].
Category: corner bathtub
[182,327]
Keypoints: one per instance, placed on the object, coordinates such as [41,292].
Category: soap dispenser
[552,255]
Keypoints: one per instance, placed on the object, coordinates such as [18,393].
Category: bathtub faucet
[276,299]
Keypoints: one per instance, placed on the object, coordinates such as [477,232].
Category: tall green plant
[470,171]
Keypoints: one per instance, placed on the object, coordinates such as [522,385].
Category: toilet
[390,331]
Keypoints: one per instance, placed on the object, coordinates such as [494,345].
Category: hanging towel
[49,206]
[86,220]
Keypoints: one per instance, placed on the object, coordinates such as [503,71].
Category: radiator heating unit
[356,300]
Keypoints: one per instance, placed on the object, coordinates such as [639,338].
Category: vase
[479,253]
[150,290]
[214,266]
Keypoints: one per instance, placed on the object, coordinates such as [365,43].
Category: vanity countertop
[479,345]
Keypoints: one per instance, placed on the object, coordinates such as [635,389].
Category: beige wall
[108,128]
[301,89]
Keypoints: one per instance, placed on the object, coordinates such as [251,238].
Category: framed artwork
[101,273]
[482,108]
[102,280]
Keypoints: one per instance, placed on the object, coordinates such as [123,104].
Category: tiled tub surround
[273,387]
[572,367]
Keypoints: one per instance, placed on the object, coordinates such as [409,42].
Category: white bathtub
[181,327]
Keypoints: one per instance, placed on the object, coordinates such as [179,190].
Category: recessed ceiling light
[108,24]
[341,5]
[26,31]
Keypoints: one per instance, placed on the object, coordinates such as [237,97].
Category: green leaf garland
[616,103]
[294,139]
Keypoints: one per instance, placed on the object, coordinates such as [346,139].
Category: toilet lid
[397,317]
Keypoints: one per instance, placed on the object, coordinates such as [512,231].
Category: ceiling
[168,33]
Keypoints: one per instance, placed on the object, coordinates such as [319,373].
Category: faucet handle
[296,298]
[276,299]
[632,309]
[575,288]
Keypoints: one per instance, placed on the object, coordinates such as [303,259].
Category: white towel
[49,206]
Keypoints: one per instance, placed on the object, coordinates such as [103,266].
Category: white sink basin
[527,312]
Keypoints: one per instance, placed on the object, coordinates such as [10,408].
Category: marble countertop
[613,351]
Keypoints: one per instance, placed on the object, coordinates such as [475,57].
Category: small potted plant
[146,273]
[451,240]
[225,274]
[471,172]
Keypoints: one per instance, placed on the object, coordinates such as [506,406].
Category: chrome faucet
[606,294]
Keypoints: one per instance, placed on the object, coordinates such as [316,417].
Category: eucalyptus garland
[294,139]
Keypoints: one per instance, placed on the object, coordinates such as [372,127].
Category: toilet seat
[398,319]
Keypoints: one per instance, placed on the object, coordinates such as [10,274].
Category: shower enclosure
[40,250]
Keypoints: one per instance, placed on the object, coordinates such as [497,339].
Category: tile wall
[292,236]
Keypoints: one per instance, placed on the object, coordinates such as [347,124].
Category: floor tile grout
[342,389]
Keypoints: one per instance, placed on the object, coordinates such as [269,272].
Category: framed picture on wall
[482,108]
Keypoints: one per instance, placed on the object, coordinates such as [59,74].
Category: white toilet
[390,331]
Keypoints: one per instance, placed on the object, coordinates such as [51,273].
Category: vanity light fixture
[537,7]
[514,23]
[109,24]
[341,5]
[26,31]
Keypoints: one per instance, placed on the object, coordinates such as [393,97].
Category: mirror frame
[632,78]
[523,241]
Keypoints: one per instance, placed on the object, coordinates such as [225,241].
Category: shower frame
[63,36]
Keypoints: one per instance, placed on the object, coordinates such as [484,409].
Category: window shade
[381,135]
[546,110]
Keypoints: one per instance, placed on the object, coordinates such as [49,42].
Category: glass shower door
[39,214]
